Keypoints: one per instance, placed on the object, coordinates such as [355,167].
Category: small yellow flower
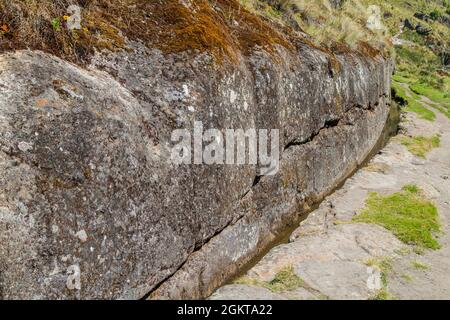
[66,18]
[4,28]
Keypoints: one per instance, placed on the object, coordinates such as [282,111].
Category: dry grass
[224,28]
[31,25]
[221,27]
[326,25]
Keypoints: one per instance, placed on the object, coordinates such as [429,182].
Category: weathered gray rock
[245,292]
[90,206]
[348,242]
[331,262]
[339,280]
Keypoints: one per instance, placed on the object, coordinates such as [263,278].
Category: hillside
[419,29]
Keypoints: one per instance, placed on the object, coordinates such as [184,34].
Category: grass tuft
[407,277]
[382,294]
[407,214]
[419,265]
[420,145]
[326,24]
[284,280]
[384,265]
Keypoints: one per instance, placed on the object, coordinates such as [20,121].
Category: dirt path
[331,257]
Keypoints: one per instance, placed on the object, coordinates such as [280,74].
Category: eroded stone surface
[88,150]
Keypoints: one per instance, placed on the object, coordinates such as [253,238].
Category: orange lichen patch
[40,103]
[340,48]
[4,28]
[362,48]
[367,50]
[252,31]
[223,27]
[196,29]
[334,64]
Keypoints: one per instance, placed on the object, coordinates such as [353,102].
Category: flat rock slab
[245,292]
[347,242]
[340,280]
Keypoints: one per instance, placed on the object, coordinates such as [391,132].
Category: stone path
[331,257]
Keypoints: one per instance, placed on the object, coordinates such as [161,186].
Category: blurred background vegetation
[416,33]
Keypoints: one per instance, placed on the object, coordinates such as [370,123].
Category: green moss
[284,280]
[407,214]
[420,145]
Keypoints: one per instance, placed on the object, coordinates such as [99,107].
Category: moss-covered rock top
[226,29]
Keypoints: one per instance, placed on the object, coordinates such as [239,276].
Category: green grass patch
[423,112]
[407,214]
[420,145]
[284,280]
[411,104]
[402,78]
[440,97]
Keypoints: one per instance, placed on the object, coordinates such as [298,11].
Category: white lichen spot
[233,96]
[191,109]
[74,278]
[74,20]
[25,146]
[185,90]
[186,3]
[56,269]
[374,279]
[245,105]
[55,229]
[82,236]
